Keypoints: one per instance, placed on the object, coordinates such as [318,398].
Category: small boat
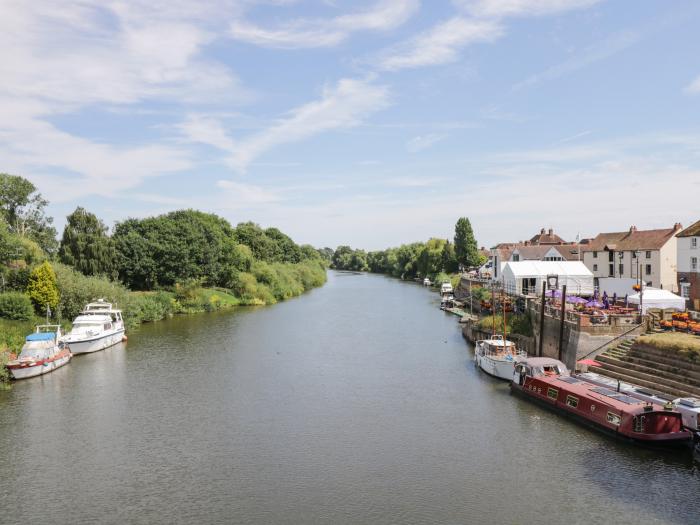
[446,288]
[497,356]
[689,407]
[447,301]
[548,382]
[43,352]
[98,326]
[426,282]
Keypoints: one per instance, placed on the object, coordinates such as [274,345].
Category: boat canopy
[42,336]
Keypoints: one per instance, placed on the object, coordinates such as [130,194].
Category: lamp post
[637,255]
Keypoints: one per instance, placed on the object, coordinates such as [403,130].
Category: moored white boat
[98,326]
[498,356]
[43,352]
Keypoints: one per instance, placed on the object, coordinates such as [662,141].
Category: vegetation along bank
[182,262]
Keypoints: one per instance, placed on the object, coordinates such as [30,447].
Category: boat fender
[124,338]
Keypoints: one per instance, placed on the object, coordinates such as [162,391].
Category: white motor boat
[43,352]
[98,326]
[498,356]
[446,288]
[426,282]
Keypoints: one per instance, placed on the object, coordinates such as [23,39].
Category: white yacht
[498,356]
[98,326]
[446,288]
[43,352]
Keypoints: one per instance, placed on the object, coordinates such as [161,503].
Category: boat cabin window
[552,393]
[108,326]
[614,418]
[551,370]
[572,401]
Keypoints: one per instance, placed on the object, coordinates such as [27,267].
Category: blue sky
[367,122]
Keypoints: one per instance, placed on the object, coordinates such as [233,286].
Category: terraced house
[620,259]
[689,264]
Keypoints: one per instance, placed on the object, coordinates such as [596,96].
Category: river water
[355,403]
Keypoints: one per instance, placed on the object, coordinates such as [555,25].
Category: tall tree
[23,208]
[86,246]
[466,248]
[449,258]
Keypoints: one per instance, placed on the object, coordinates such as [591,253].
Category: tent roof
[544,268]
[658,298]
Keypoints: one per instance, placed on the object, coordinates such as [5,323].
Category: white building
[621,255]
[526,277]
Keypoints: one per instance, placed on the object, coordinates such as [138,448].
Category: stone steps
[662,356]
[645,376]
[667,365]
[654,388]
[652,372]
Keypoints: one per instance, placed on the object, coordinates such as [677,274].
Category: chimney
[551,231]
[633,229]
[678,226]
[542,231]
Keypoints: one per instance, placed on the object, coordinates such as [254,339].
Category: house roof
[537,253]
[691,231]
[546,237]
[631,239]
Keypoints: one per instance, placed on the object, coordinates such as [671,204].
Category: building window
[595,267]
[634,254]
[648,255]
[694,263]
[516,257]
[611,270]
[622,269]
[572,401]
[647,269]
[552,393]
[693,242]
[685,290]
[595,254]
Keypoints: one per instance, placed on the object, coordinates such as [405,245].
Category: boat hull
[94,344]
[499,368]
[25,372]
[670,441]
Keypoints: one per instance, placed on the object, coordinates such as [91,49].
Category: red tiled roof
[632,239]
[546,237]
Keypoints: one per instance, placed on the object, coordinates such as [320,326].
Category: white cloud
[423,142]
[694,86]
[309,33]
[343,105]
[440,44]
[61,58]
[237,194]
[596,53]
[506,8]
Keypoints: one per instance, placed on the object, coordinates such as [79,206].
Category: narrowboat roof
[542,361]
[612,398]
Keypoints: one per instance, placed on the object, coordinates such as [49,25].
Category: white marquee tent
[526,277]
[657,298]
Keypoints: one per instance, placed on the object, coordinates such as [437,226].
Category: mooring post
[544,296]
[563,318]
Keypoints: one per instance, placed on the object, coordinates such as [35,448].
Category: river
[355,403]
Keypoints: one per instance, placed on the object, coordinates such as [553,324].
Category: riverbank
[277,284]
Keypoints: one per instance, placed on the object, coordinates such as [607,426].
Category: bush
[16,306]
[521,324]
[487,324]
[42,287]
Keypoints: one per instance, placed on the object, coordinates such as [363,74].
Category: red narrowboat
[548,382]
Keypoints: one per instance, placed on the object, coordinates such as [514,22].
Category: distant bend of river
[356,403]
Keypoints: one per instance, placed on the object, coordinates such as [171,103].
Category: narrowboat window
[552,393]
[614,418]
[572,401]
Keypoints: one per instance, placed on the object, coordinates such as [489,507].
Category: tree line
[177,251]
[433,258]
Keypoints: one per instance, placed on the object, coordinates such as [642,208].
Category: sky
[369,122]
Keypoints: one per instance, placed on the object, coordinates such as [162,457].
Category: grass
[687,345]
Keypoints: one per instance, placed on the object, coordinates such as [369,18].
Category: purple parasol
[576,300]
[553,293]
[594,304]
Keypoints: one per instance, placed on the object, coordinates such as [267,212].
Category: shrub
[42,287]
[16,306]
[521,324]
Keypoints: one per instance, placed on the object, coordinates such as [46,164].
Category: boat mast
[493,309]
[503,303]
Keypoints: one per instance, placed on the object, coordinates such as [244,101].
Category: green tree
[430,259]
[449,258]
[42,287]
[466,247]
[23,209]
[86,246]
